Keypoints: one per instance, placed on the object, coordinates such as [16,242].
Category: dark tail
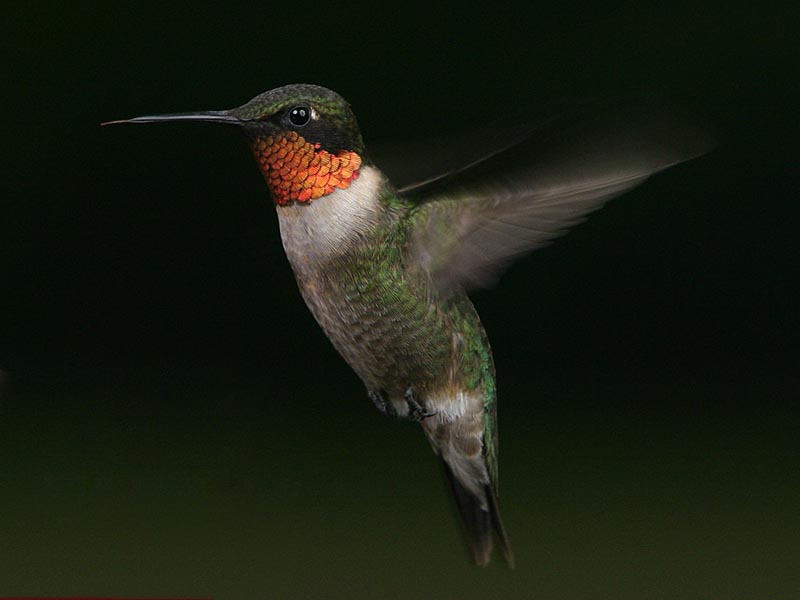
[480,520]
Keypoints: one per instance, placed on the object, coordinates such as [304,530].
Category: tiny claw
[381,403]
[416,411]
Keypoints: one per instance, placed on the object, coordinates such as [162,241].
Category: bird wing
[467,229]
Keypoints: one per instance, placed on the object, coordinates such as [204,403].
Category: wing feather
[466,234]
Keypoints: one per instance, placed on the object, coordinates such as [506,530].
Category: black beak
[211,116]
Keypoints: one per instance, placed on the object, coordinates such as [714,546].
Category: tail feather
[480,519]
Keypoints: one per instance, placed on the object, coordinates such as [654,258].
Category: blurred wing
[466,234]
[413,165]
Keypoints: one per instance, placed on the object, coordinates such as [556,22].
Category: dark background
[175,423]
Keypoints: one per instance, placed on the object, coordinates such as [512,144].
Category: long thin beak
[211,116]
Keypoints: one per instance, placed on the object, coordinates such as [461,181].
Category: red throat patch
[296,170]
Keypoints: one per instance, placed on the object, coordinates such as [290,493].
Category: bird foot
[416,411]
[381,403]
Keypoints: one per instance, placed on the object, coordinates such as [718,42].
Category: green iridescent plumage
[386,274]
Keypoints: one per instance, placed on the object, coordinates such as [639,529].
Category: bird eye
[300,115]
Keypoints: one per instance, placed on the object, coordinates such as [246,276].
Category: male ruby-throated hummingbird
[385,270]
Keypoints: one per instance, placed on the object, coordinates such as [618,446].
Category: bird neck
[332,224]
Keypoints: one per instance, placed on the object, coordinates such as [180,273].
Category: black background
[175,423]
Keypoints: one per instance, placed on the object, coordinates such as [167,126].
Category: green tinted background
[175,423]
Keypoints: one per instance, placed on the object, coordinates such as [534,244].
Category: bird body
[386,272]
[354,264]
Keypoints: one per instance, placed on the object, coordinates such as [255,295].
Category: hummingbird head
[304,137]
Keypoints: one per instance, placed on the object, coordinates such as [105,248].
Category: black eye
[300,115]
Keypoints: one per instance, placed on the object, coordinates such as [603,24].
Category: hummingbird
[385,270]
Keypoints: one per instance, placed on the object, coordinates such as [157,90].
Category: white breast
[313,232]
